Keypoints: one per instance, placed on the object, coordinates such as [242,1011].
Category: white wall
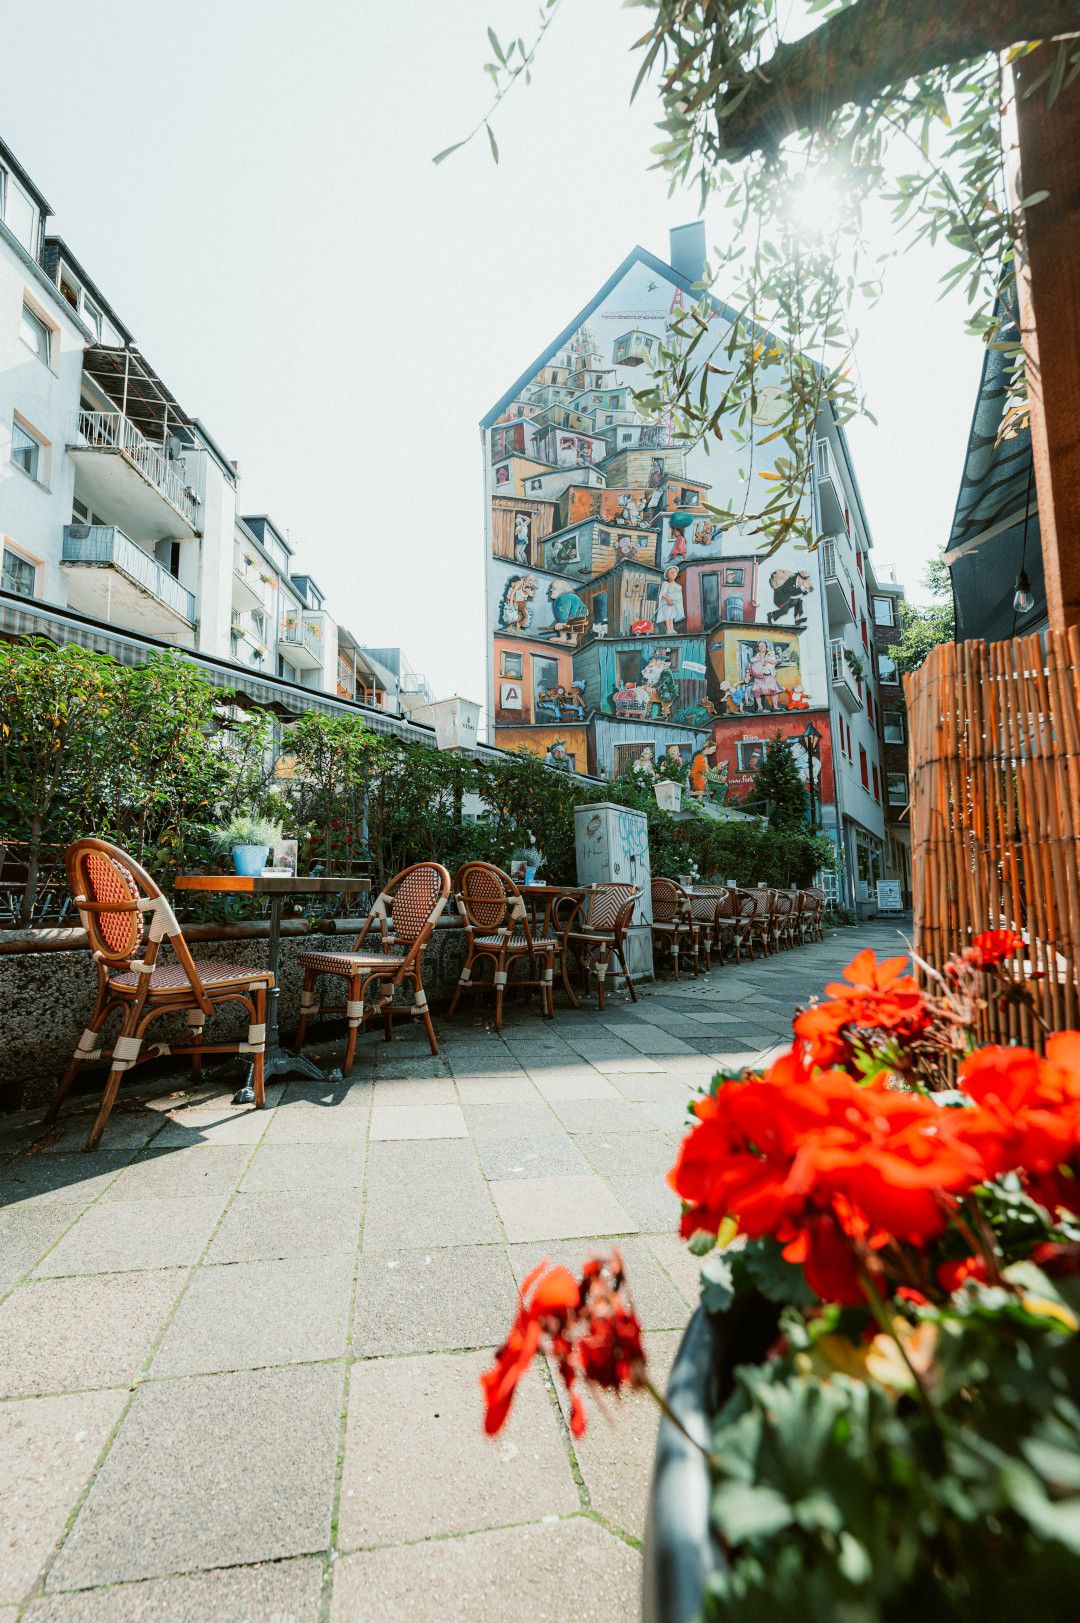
[217,518]
[33,516]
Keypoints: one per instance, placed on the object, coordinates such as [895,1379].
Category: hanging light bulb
[1023,600]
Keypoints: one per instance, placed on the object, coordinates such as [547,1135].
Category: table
[549,896]
[277,1060]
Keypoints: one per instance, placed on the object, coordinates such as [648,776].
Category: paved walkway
[239,1351]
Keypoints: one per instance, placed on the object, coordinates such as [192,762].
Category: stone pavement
[239,1350]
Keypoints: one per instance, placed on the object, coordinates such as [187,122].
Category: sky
[250,184]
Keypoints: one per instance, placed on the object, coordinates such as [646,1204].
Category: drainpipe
[834,731]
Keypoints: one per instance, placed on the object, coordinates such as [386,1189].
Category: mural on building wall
[614,546]
[742,743]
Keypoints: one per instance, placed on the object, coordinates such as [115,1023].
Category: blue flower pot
[250,860]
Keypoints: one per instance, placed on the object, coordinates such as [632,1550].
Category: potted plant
[875,1413]
[249,839]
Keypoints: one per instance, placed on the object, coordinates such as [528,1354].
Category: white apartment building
[118,505]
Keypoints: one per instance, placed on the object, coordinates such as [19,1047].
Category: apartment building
[626,623]
[885,601]
[118,504]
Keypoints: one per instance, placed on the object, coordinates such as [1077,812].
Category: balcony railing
[847,684]
[835,567]
[111,431]
[299,633]
[104,544]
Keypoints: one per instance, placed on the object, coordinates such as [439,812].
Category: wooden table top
[553,890]
[279,884]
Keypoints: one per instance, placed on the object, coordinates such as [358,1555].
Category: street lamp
[811,743]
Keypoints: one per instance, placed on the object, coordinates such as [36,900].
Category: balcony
[832,507]
[846,685]
[246,587]
[838,586]
[301,643]
[121,473]
[114,580]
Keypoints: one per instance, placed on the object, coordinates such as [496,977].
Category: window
[28,452]
[93,318]
[733,608]
[19,574]
[628,665]
[897,788]
[864,768]
[749,753]
[883,611]
[893,726]
[869,704]
[865,637]
[545,680]
[36,334]
[511,665]
[18,212]
[689,498]
[734,577]
[877,783]
[859,561]
[710,599]
[887,671]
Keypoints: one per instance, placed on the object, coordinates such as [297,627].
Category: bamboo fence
[995,814]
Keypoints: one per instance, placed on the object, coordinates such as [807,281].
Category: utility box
[612,847]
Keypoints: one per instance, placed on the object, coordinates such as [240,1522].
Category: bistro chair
[724,930]
[497,929]
[112,893]
[758,920]
[810,915]
[673,926]
[405,913]
[742,915]
[779,919]
[703,905]
[596,933]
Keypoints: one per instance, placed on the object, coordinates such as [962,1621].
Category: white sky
[250,183]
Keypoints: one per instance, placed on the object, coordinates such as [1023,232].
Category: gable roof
[636,256]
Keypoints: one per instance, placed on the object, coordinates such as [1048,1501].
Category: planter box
[681,1548]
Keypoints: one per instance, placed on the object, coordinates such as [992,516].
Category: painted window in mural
[545,688]
[733,608]
[750,752]
[710,599]
[511,664]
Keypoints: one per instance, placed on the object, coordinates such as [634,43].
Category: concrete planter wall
[46,997]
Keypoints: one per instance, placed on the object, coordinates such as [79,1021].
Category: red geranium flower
[992,947]
[872,996]
[555,1297]
[951,1275]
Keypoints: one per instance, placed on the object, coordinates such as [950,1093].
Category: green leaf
[495,46]
[742,1513]
[701,1242]
[446,151]
[717,1283]
[492,141]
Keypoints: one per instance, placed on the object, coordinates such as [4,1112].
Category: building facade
[625,621]
[117,504]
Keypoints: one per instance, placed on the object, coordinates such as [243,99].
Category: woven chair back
[102,875]
[668,900]
[607,904]
[416,896]
[485,896]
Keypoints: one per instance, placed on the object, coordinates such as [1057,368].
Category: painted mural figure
[656,472]
[789,588]
[631,511]
[703,534]
[625,546]
[761,669]
[522,537]
[516,609]
[661,682]
[557,756]
[699,769]
[645,765]
[669,604]
[566,605]
[679,523]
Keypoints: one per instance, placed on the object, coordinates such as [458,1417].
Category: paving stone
[651,1039]
[496,1090]
[294,1223]
[630,1060]
[680,1263]
[511,1121]
[451,1478]
[246,1315]
[615,1455]
[526,1156]
[439,1213]
[48,1449]
[210,1470]
[411,1301]
[389,1064]
[602,1116]
[418,1121]
[650,1155]
[652,1205]
[130,1129]
[436,1090]
[117,1236]
[27,1232]
[669,1115]
[58,1334]
[307,1121]
[190,1174]
[559,1208]
[351,1093]
[274,1592]
[572,1571]
[39,1179]
[646,1089]
[582,1083]
[220,1124]
[304,1166]
[413,1164]
[658,1304]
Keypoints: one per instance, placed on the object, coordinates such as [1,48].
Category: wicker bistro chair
[724,925]
[760,918]
[810,916]
[405,913]
[779,919]
[497,928]
[673,927]
[798,917]
[742,905]
[703,910]
[112,893]
[595,932]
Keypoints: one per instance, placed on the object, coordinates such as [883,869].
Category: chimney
[687,250]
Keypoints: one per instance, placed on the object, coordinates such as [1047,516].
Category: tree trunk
[869,47]
[1049,160]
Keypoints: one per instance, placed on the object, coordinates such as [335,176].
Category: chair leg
[354,1010]
[307,1003]
[258,1058]
[125,1053]
[196,1020]
[564,966]
[626,975]
[500,992]
[548,1000]
[463,980]
[601,976]
[420,1005]
[87,1049]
